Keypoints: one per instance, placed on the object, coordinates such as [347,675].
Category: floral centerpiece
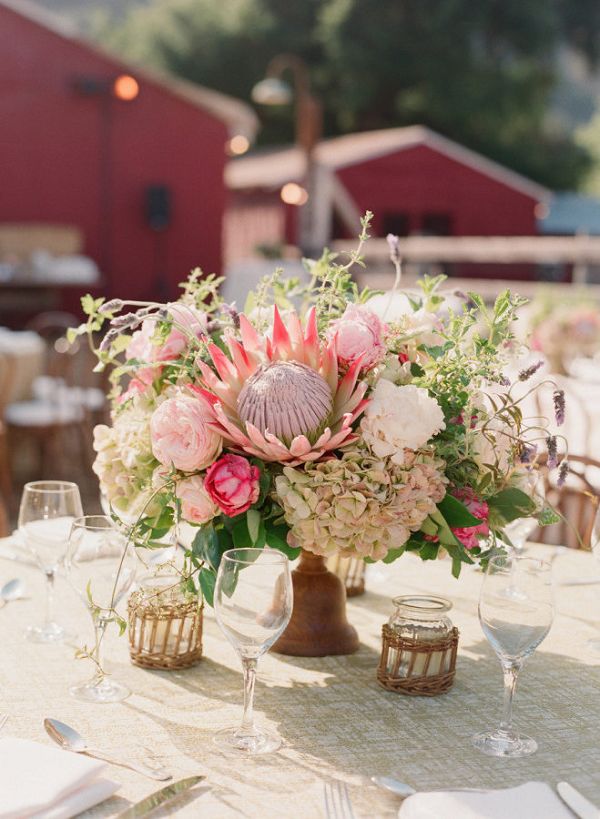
[322,418]
[565,329]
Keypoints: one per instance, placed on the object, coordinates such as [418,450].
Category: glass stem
[100,628]
[511,672]
[249,666]
[50,575]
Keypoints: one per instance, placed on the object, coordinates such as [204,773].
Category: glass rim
[80,522]
[280,557]
[518,559]
[50,486]
[423,603]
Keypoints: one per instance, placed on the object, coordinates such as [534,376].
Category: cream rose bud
[399,418]
[196,505]
[182,436]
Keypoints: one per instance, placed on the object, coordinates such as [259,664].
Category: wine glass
[101,567]
[253,605]
[516,610]
[48,508]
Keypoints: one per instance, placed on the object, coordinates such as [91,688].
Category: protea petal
[311,340]
[300,446]
[329,368]
[240,358]
[223,365]
[250,338]
[346,387]
[282,347]
[296,337]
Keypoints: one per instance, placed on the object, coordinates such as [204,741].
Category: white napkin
[533,799]
[46,783]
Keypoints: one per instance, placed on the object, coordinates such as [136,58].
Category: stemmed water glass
[253,605]
[519,530]
[48,508]
[101,564]
[516,610]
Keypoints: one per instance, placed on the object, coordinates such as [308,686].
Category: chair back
[576,501]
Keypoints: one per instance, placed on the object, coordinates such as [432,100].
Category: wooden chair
[60,417]
[576,501]
[5,467]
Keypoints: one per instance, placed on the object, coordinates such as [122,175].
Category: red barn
[414,180]
[132,159]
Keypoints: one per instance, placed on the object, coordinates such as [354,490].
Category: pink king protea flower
[282,399]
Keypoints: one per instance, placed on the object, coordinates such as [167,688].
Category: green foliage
[480,73]
[508,505]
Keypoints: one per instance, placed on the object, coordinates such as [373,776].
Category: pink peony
[182,435]
[232,483]
[196,505]
[478,508]
[358,334]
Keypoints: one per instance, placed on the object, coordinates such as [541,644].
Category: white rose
[390,306]
[399,418]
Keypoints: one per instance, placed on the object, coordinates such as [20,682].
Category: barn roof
[239,117]
[275,167]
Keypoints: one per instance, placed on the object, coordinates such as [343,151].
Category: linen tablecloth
[335,719]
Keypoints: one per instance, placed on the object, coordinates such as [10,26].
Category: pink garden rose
[232,483]
[196,505]
[358,333]
[181,434]
[478,508]
[185,318]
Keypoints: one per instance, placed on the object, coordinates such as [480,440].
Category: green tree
[479,72]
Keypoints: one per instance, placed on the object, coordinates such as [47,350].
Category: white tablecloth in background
[335,719]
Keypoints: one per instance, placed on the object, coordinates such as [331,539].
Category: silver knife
[159,798]
[580,806]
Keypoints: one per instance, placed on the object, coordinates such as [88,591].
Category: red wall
[51,143]
[419,180]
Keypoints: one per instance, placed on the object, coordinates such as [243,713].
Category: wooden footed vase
[318,626]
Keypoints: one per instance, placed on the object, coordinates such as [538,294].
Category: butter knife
[159,798]
[580,806]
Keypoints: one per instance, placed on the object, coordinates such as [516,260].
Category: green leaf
[207,585]
[394,554]
[548,516]
[429,551]
[241,535]
[456,513]
[253,520]
[511,503]
[210,545]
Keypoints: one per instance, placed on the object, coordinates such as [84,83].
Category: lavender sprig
[559,406]
[112,306]
[108,340]
[526,374]
[563,472]
[528,453]
[394,246]
[552,447]
[127,322]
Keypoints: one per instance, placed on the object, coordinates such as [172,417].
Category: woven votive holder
[418,655]
[165,626]
[351,571]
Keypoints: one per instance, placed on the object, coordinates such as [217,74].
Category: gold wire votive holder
[165,625]
[420,644]
[351,571]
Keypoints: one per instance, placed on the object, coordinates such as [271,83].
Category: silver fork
[337,800]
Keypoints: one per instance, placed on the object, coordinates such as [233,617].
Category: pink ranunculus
[196,505]
[233,484]
[478,508]
[182,435]
[358,334]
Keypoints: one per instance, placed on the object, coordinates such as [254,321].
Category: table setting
[198,656]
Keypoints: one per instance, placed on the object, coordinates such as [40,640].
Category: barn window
[436,224]
[396,223]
